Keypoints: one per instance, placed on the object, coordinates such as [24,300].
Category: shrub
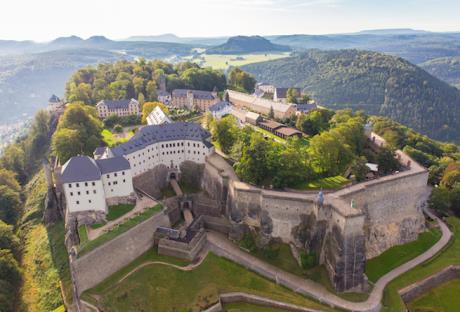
[118,128]
[307,260]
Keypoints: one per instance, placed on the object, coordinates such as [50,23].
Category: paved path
[141,205]
[223,247]
[175,186]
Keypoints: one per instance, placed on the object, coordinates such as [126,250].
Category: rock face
[152,181]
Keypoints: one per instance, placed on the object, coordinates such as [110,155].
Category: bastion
[344,227]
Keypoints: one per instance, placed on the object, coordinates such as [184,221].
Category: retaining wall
[97,265]
[417,289]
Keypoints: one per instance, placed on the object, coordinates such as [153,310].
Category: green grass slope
[377,83]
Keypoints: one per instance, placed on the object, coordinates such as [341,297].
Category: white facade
[85,196]
[220,109]
[170,153]
[120,108]
[118,184]
[267,88]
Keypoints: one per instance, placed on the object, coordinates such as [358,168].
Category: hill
[377,83]
[445,68]
[245,44]
[414,46]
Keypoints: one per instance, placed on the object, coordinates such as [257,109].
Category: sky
[43,20]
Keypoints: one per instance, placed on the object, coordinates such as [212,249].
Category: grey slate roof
[112,164]
[218,106]
[305,107]
[54,99]
[116,104]
[148,135]
[198,94]
[163,93]
[79,169]
[99,151]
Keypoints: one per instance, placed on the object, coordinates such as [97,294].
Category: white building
[166,144]
[220,109]
[121,108]
[157,117]
[265,87]
[90,184]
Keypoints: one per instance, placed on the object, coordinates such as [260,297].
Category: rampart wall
[92,268]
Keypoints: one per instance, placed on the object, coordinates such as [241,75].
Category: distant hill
[445,68]
[245,44]
[377,83]
[210,41]
[415,46]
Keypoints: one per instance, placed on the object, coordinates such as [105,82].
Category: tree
[8,178]
[149,107]
[78,132]
[225,132]
[141,99]
[271,113]
[359,168]
[440,200]
[315,121]
[240,80]
[14,159]
[387,161]
[10,280]
[8,240]
[9,204]
[292,95]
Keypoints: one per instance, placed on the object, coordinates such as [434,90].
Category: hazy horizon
[48,19]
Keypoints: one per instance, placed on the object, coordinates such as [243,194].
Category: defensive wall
[92,268]
[353,224]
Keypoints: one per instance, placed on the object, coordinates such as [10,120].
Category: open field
[397,255]
[450,255]
[444,298]
[163,288]
[219,61]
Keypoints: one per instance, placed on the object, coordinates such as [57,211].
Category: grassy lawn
[161,288]
[83,234]
[218,61]
[450,255]
[117,211]
[246,307]
[90,245]
[444,298]
[325,183]
[270,135]
[397,255]
[113,139]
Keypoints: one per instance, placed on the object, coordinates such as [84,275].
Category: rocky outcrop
[152,181]
[310,233]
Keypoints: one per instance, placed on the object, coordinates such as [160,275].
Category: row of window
[115,174]
[78,184]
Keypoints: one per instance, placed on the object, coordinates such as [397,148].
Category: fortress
[343,228]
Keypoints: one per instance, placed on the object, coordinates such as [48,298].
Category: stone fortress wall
[386,212]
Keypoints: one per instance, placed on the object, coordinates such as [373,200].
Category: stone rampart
[92,268]
[417,289]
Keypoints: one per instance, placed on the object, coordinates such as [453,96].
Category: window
[115,182]
[78,185]
[87,192]
[71,193]
[86,183]
[89,201]
[70,185]
[78,202]
[115,174]
[123,173]
[110,183]
[94,191]
[94,183]
[78,193]
[124,180]
[108,176]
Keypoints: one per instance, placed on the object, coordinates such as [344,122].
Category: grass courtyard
[450,255]
[444,298]
[164,288]
[329,183]
[86,246]
[112,139]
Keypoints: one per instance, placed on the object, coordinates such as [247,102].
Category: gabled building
[193,99]
[121,108]
[265,87]
[220,109]
[305,108]
[157,117]
[91,185]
